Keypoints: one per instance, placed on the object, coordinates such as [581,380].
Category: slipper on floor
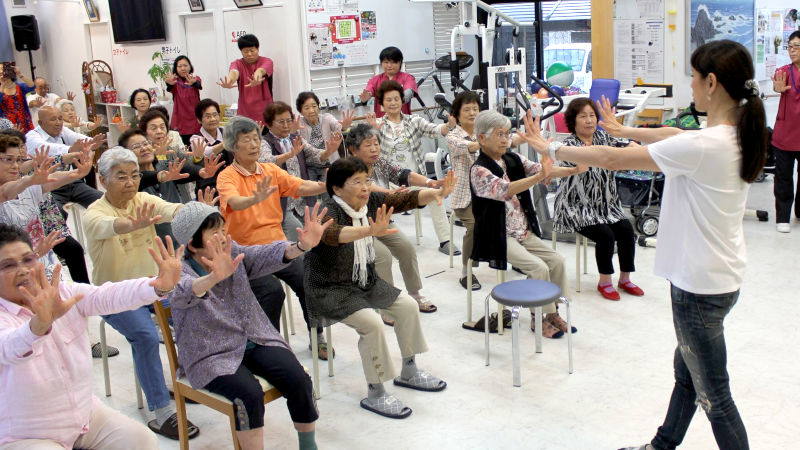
[97,351]
[169,428]
[387,406]
[426,307]
[478,324]
[421,381]
[323,346]
[476,286]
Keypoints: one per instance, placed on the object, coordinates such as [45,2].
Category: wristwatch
[555,145]
[163,292]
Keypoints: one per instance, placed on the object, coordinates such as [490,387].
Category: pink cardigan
[329,125]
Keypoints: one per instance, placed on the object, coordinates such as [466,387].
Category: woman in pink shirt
[185,88]
[46,399]
[391,62]
[253,76]
[786,137]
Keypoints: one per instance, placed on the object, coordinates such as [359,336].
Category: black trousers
[281,369]
[784,188]
[77,192]
[269,292]
[604,236]
[72,253]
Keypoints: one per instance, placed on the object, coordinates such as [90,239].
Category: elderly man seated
[120,232]
[64,143]
[42,97]
[254,216]
[504,215]
[46,399]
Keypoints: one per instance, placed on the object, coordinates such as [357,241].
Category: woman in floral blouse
[13,105]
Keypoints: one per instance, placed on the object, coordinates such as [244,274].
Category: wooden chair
[184,390]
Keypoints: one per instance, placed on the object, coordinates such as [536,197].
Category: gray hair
[359,134]
[236,126]
[113,157]
[63,102]
[487,121]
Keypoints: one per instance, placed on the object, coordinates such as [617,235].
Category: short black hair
[359,133]
[128,134]
[137,91]
[7,141]
[163,110]
[273,109]
[341,170]
[248,40]
[213,220]
[386,87]
[464,98]
[12,233]
[392,54]
[303,97]
[574,108]
[795,34]
[203,105]
[175,65]
[13,132]
[151,115]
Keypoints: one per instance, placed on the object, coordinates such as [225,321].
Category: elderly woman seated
[46,399]
[588,203]
[73,121]
[236,339]
[344,287]
[364,143]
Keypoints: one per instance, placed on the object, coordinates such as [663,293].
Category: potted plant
[159,70]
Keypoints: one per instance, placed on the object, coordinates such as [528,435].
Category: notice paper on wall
[773,27]
[638,51]
[639,9]
[320,45]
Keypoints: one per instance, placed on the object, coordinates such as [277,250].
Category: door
[201,44]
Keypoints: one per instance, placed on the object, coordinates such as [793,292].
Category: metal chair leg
[315,363]
[284,324]
[452,219]
[469,290]
[515,343]
[486,331]
[418,225]
[569,331]
[585,249]
[289,307]
[501,278]
[139,401]
[330,350]
[104,354]
[538,324]
[554,238]
[577,262]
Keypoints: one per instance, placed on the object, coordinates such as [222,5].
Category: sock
[415,295]
[162,414]
[306,440]
[320,336]
[624,279]
[409,368]
[601,284]
[463,271]
[442,244]
[375,390]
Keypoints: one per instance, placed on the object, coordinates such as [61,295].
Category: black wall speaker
[26,32]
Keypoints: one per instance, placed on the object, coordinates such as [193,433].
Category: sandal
[426,307]
[97,351]
[169,428]
[478,325]
[387,406]
[322,350]
[476,286]
[559,323]
[548,329]
[421,381]
[386,320]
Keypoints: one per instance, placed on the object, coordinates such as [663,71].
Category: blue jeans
[140,331]
[701,377]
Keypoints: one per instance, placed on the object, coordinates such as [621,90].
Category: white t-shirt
[49,100]
[701,246]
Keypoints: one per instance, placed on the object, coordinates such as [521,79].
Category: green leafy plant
[159,69]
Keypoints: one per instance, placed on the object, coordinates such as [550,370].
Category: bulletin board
[349,33]
[773,27]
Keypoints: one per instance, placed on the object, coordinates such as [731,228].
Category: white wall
[63,28]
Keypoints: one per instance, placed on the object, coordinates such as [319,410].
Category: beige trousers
[108,429]
[399,246]
[539,262]
[465,214]
[439,218]
[372,346]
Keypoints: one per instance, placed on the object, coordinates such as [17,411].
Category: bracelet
[163,292]
[554,146]
[297,244]
[197,160]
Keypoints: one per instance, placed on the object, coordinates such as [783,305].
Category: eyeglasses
[136,147]
[211,116]
[13,159]
[793,46]
[359,184]
[124,178]
[503,136]
[8,266]
[283,122]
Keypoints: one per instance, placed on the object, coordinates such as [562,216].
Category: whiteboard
[376,23]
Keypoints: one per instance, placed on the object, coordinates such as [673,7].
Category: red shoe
[631,288]
[608,292]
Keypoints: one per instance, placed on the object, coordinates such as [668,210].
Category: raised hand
[261,126]
[207,196]
[347,118]
[170,78]
[223,82]
[44,299]
[547,167]
[144,217]
[46,244]
[191,79]
[332,145]
[70,95]
[122,126]
[447,186]
[220,263]
[297,145]
[533,133]
[364,96]
[168,261]
[211,165]
[83,163]
[451,121]
[608,118]
[43,166]
[779,82]
[36,102]
[311,233]
[173,171]
[372,121]
[255,80]
[380,226]
[263,190]
[297,125]
[197,147]
[161,146]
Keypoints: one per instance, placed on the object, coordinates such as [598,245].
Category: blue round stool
[526,294]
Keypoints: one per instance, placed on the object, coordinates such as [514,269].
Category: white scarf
[363,249]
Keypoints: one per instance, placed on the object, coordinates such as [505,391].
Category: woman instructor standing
[786,137]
